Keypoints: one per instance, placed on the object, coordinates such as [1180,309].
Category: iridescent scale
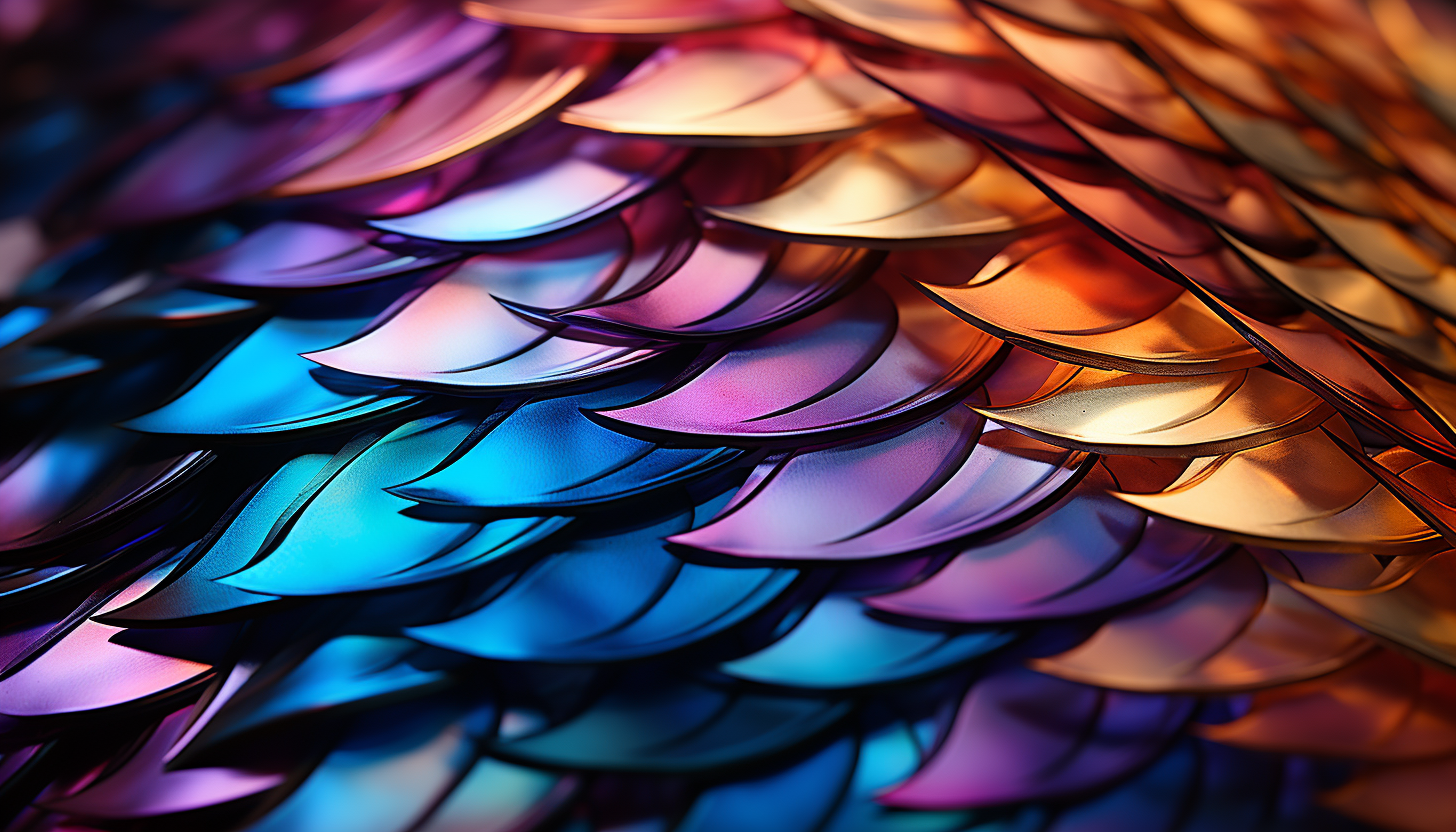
[728,416]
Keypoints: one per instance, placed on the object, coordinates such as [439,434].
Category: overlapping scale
[303,255]
[883,353]
[1357,301]
[173,307]
[1351,378]
[388,775]
[839,644]
[1281,150]
[1405,604]
[694,416]
[1243,494]
[990,98]
[550,456]
[495,796]
[944,480]
[345,673]
[1020,735]
[76,666]
[351,535]
[1199,786]
[1105,72]
[615,18]
[676,726]
[1382,707]
[833,789]
[1398,258]
[1102,309]
[441,338]
[1112,412]
[656,603]
[193,591]
[226,156]
[81,478]
[142,787]
[1241,198]
[415,45]
[1092,552]
[35,366]
[495,94]
[903,180]
[265,385]
[732,284]
[1268,634]
[1410,477]
[543,186]
[936,25]
[776,82]
[301,41]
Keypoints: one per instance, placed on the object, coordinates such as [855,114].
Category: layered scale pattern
[721,415]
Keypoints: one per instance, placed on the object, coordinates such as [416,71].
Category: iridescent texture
[903,180]
[883,353]
[721,415]
[303,255]
[776,82]
[626,18]
[1111,412]
[489,98]
[1093,305]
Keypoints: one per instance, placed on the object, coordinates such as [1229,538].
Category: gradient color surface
[722,415]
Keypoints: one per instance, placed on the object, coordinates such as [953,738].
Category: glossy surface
[494,95]
[300,255]
[571,178]
[943,480]
[1095,306]
[904,180]
[1203,415]
[1091,552]
[733,283]
[768,83]
[1242,493]
[616,17]
[1267,635]
[883,353]
[722,415]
